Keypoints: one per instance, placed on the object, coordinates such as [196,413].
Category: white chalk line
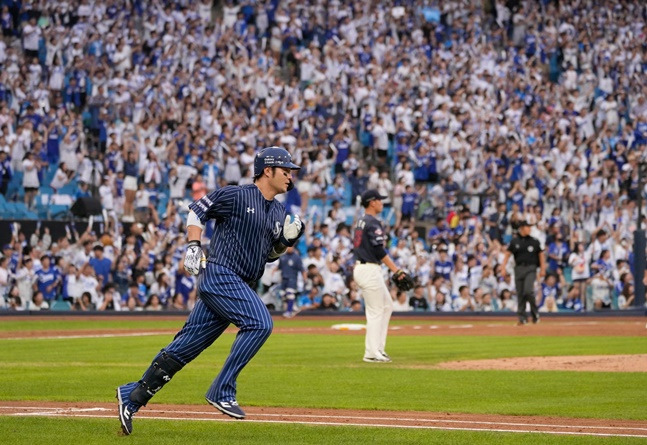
[79,412]
[365,425]
[65,337]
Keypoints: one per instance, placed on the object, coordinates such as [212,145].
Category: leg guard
[157,375]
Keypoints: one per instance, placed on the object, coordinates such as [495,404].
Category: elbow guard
[193,220]
[275,253]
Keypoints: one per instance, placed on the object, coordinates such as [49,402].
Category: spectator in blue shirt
[550,294]
[101,265]
[185,285]
[5,171]
[47,279]
[558,253]
[443,266]
[409,199]
[83,190]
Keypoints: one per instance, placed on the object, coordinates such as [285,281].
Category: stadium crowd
[469,116]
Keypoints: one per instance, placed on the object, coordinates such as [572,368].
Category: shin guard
[156,376]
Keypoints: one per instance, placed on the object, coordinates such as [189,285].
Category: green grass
[317,371]
[16,325]
[35,431]
[20,324]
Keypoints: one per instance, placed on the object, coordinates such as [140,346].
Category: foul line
[81,412]
[64,337]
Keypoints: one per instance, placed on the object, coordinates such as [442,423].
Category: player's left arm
[277,250]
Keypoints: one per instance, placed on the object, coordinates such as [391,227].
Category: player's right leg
[201,329]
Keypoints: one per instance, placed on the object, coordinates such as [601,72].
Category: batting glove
[194,258]
[293,228]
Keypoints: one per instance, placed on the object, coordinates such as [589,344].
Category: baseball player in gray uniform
[251,229]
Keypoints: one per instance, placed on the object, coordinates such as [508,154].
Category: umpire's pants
[524,279]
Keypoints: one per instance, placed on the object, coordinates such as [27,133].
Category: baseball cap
[7,246]
[524,223]
[371,195]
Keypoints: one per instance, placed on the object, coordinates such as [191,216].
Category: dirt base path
[342,417]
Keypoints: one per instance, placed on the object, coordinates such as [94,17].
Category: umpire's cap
[273,157]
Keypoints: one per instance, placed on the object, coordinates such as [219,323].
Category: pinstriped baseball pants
[223,299]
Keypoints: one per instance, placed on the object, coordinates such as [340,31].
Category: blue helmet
[273,157]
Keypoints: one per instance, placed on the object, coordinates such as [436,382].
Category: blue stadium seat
[10,211]
[22,211]
[69,188]
[41,205]
[58,211]
[61,305]
[15,189]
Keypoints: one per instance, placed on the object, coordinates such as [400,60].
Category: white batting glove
[293,228]
[194,258]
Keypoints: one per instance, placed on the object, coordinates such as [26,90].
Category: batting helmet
[273,157]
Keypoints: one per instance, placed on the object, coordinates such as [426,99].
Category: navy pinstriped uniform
[246,228]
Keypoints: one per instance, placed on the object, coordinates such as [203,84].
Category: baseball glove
[402,280]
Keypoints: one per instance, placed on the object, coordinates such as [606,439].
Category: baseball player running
[251,229]
[369,254]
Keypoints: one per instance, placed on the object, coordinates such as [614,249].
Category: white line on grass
[498,430]
[64,337]
[56,411]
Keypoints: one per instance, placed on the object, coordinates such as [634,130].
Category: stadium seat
[69,188]
[60,306]
[41,205]
[15,189]
[10,210]
[58,211]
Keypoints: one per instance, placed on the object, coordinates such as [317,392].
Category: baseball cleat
[381,359]
[230,408]
[385,355]
[126,408]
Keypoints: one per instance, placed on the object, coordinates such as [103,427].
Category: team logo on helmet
[273,157]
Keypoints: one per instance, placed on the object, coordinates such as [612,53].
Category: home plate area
[348,418]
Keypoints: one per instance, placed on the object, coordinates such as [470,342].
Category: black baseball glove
[402,280]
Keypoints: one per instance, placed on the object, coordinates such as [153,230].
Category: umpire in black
[528,256]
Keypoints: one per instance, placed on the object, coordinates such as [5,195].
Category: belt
[365,262]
